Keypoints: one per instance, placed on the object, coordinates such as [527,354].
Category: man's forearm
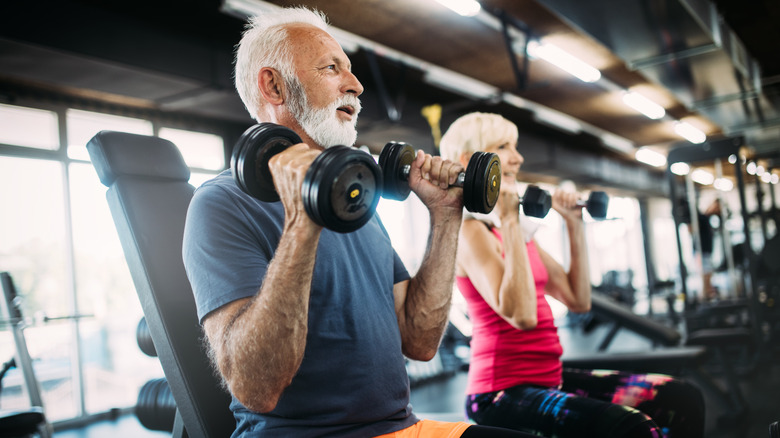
[263,342]
[428,298]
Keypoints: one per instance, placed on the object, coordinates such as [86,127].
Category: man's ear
[271,85]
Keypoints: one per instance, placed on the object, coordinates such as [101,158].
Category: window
[202,151]
[33,248]
[83,125]
[28,127]
[59,243]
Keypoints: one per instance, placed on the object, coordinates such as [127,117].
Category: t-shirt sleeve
[224,256]
[400,272]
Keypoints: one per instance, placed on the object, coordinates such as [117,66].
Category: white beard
[323,124]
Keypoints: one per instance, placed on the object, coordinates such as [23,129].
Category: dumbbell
[596,204]
[481,182]
[537,202]
[340,190]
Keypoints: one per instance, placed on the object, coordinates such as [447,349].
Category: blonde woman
[516,379]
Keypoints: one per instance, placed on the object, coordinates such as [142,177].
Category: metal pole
[644,220]
[760,207]
[725,235]
[677,221]
[695,235]
[13,314]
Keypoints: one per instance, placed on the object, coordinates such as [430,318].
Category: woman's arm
[573,288]
[506,283]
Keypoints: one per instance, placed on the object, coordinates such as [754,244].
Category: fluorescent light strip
[617,143]
[687,131]
[459,83]
[563,60]
[680,168]
[723,184]
[557,120]
[651,157]
[466,8]
[702,177]
[643,105]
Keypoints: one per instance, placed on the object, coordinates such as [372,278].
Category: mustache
[348,100]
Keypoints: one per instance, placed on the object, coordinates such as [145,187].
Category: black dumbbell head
[249,161]
[341,189]
[597,204]
[482,182]
[536,201]
[392,159]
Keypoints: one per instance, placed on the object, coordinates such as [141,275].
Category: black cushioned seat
[686,356]
[148,195]
[674,361]
[21,423]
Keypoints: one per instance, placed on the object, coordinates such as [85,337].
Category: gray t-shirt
[352,381]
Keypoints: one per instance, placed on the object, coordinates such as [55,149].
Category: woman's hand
[565,203]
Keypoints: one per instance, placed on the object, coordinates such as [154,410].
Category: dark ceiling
[175,57]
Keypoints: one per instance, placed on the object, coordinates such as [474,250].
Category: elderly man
[308,327]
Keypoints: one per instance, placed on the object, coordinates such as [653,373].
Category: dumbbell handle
[459,181]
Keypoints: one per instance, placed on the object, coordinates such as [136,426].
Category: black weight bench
[676,355]
[148,195]
[22,423]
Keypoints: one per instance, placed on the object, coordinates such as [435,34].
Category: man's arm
[423,303]
[258,343]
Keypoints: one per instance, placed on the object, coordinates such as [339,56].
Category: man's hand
[432,178]
[288,169]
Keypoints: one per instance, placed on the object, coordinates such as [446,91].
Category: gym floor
[443,399]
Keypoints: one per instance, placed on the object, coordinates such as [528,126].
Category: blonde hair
[264,44]
[476,132]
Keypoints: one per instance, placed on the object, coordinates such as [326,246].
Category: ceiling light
[766,177]
[566,62]
[651,157]
[751,168]
[723,184]
[514,100]
[643,105]
[458,83]
[687,131]
[680,168]
[702,177]
[774,179]
[557,120]
[467,8]
[617,143]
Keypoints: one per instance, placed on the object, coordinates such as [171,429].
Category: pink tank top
[503,356]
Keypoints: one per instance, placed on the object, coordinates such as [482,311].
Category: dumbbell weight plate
[392,159]
[482,182]
[341,189]
[597,205]
[536,202]
[249,161]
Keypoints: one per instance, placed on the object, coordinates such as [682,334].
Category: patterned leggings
[599,404]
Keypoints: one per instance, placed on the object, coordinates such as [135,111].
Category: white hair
[475,132]
[264,44]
